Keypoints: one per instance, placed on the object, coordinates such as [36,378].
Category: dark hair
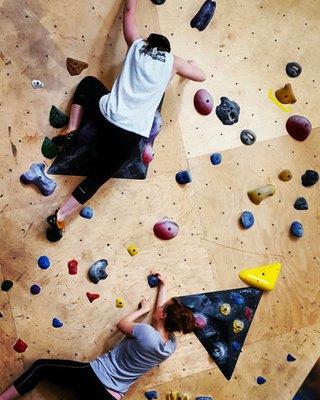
[178,318]
[159,41]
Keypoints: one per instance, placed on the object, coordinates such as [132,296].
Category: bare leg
[68,208]
[10,394]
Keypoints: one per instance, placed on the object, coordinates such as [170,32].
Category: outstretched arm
[130,29]
[188,70]
[126,324]
[161,297]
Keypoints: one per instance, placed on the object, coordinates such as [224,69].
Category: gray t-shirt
[132,357]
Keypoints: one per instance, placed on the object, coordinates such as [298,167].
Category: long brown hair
[178,317]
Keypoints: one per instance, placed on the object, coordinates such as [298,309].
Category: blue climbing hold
[237,298]
[56,323]
[183,177]
[204,398]
[297,229]
[86,212]
[35,289]
[236,347]
[97,271]
[153,281]
[151,394]
[44,262]
[216,158]
[290,358]
[261,380]
[247,219]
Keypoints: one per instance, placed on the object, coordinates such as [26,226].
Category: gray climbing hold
[293,69]
[248,137]
[97,271]
[228,111]
[36,175]
[36,84]
[301,204]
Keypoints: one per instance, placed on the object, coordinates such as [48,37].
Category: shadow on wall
[310,389]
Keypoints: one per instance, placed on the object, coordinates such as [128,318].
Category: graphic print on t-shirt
[154,53]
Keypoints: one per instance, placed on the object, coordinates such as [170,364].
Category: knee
[88,80]
[39,363]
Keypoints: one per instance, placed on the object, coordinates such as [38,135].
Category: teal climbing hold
[49,149]
[57,118]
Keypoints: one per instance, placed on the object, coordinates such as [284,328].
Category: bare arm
[188,70]
[130,29]
[125,325]
[161,297]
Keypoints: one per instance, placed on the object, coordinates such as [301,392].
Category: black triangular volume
[223,319]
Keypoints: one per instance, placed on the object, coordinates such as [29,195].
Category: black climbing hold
[97,271]
[183,177]
[309,178]
[49,149]
[203,17]
[293,69]
[247,137]
[158,2]
[301,204]
[57,118]
[6,285]
[228,111]
[290,358]
[261,380]
[35,289]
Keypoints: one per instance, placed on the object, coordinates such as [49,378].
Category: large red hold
[298,127]
[147,154]
[166,229]
[203,102]
[20,346]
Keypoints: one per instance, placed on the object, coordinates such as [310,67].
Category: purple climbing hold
[183,177]
[261,380]
[86,212]
[216,158]
[35,289]
[228,111]
[56,323]
[298,127]
[200,321]
[156,126]
[44,262]
[37,176]
[290,358]
[153,281]
[166,229]
[203,17]
[203,102]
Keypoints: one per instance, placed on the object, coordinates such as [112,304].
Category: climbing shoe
[61,140]
[56,228]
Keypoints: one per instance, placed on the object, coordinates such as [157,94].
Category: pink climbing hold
[203,102]
[20,346]
[166,229]
[147,154]
[73,267]
[200,321]
[92,296]
[298,127]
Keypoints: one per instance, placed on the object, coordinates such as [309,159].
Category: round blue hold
[86,212]
[204,398]
[216,158]
[151,394]
[261,380]
[235,346]
[183,177]
[35,289]
[153,281]
[247,219]
[56,323]
[297,229]
[237,298]
[290,358]
[44,262]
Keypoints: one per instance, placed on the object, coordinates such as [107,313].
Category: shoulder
[143,330]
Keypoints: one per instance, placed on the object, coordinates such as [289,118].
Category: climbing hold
[247,219]
[75,67]
[73,267]
[43,262]
[158,2]
[273,98]
[203,17]
[204,398]
[6,285]
[263,277]
[36,176]
[119,302]
[133,250]
[36,84]
[97,271]
[35,289]
[247,137]
[235,346]
[261,380]
[248,313]
[200,321]
[151,394]
[203,102]
[237,326]
[92,296]
[183,177]
[285,175]
[296,229]
[220,351]
[298,127]
[257,195]
[290,358]
[56,323]
[237,298]
[176,396]
[20,346]
[57,118]
[225,309]
[153,281]
[301,204]
[147,154]
[49,149]
[309,178]
[228,111]
[285,95]
[156,126]
[166,229]
[86,212]
[216,158]
[293,69]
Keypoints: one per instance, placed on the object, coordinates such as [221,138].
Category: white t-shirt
[139,88]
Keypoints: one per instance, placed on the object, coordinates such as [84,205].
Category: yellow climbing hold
[238,326]
[273,98]
[176,396]
[225,309]
[263,277]
[133,249]
[257,195]
[119,302]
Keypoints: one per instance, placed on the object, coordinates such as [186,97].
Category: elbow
[202,77]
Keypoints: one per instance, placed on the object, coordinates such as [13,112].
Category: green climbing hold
[6,285]
[57,118]
[49,149]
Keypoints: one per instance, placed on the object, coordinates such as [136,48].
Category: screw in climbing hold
[119,302]
[296,229]
[133,250]
[216,158]
[247,219]
[43,262]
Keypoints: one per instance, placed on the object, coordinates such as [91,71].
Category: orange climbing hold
[263,277]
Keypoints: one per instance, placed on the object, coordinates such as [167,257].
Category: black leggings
[71,374]
[117,145]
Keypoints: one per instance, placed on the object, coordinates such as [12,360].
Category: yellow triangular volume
[263,277]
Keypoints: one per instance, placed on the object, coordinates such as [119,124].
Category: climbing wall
[243,52]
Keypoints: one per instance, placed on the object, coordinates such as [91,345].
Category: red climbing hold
[147,154]
[73,267]
[20,346]
[203,102]
[166,229]
[92,296]
[298,127]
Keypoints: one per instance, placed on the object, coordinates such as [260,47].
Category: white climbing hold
[36,84]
